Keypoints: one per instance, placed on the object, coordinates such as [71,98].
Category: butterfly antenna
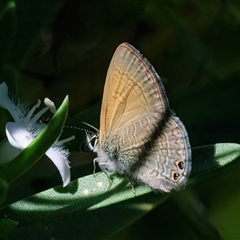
[90,126]
[72,127]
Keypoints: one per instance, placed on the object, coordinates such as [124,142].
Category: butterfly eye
[93,142]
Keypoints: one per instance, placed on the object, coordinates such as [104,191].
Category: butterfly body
[139,135]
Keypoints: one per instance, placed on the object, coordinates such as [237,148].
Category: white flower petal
[38,115]
[25,128]
[50,104]
[8,104]
[30,113]
[59,158]
[17,135]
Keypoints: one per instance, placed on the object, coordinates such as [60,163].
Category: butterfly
[140,136]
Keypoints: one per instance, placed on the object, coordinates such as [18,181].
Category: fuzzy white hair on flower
[25,128]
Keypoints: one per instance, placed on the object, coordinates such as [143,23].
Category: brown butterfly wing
[132,89]
[138,134]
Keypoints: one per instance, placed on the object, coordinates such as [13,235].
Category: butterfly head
[92,138]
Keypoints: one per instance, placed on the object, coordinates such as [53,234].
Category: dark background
[193,45]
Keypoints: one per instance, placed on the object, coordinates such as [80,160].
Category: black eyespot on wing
[176,176]
[181,165]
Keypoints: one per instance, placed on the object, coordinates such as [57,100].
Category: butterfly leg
[132,185]
[101,166]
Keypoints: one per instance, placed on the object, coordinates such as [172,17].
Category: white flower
[25,128]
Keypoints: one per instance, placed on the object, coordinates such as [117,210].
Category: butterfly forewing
[132,89]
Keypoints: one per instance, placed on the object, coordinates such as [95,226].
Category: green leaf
[90,204]
[53,208]
[97,224]
[89,192]
[211,157]
[37,148]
